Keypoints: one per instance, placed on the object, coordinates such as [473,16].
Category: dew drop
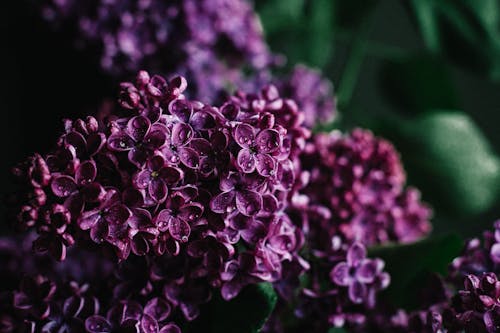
[229,209]
[184,239]
[122,144]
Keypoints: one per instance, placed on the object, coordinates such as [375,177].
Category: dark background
[388,68]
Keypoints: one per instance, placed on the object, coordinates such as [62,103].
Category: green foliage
[247,313]
[466,31]
[409,264]
[300,29]
[449,159]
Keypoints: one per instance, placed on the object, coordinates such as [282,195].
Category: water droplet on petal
[184,239]
[122,144]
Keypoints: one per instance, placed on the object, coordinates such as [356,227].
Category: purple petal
[246,161]
[254,232]
[202,146]
[219,141]
[179,229]
[140,219]
[162,220]
[138,127]
[97,324]
[230,110]
[170,328]
[99,231]
[95,142]
[63,186]
[244,135]
[202,120]
[149,324]
[230,290]
[268,141]
[189,157]
[248,203]
[74,203]
[138,156]
[357,292]
[93,192]
[120,142]
[182,109]
[86,173]
[495,253]
[157,136]
[88,219]
[340,274]
[156,162]
[171,175]
[367,271]
[190,212]
[266,165]
[269,204]
[355,254]
[158,190]
[181,134]
[142,179]
[158,308]
[76,140]
[118,214]
[223,203]
[132,197]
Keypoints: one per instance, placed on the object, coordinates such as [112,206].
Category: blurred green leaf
[449,159]
[466,31]
[337,330]
[247,313]
[418,83]
[300,29]
[406,262]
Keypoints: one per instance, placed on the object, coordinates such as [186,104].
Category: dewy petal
[340,274]
[230,290]
[63,186]
[171,175]
[162,220]
[138,127]
[246,161]
[170,328]
[140,219]
[269,204]
[157,136]
[181,134]
[76,140]
[223,202]
[189,157]
[120,141]
[268,141]
[266,165]
[355,254]
[156,162]
[89,219]
[93,192]
[182,109]
[138,156]
[95,142]
[357,292]
[118,214]
[74,203]
[86,173]
[158,190]
[248,203]
[202,146]
[244,135]
[99,231]
[179,229]
[142,179]
[367,271]
[202,120]
[190,212]
[97,324]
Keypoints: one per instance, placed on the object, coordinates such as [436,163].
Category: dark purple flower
[176,149]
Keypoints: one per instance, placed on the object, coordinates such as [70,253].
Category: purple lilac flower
[206,41]
[170,178]
[355,185]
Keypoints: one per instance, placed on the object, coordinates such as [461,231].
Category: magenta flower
[139,138]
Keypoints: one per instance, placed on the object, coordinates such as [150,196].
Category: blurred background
[423,73]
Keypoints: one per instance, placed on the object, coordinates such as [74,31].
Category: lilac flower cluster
[165,175]
[466,301]
[62,298]
[354,187]
[207,41]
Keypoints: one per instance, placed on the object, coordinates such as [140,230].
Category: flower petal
[179,229]
[268,141]
[246,161]
[149,324]
[189,157]
[158,308]
[171,175]
[138,127]
[244,135]
[202,120]
[97,324]
[138,156]
[118,214]
[181,134]
[63,186]
[120,141]
[340,274]
[182,109]
[266,165]
[95,142]
[355,254]
[223,202]
[357,292]
[88,219]
[158,190]
[93,192]
[190,212]
[367,271]
[86,172]
[157,136]
[142,179]
[248,203]
[99,231]
[170,328]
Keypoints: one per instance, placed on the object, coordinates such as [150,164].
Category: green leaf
[247,313]
[418,83]
[408,263]
[337,330]
[465,31]
[300,29]
[449,159]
